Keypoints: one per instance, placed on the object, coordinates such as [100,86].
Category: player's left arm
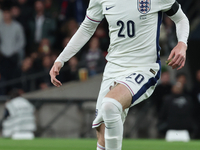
[177,56]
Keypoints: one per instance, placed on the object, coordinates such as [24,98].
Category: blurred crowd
[177,107]
[34,32]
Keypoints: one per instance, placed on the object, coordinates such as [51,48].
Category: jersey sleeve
[182,25]
[94,11]
[79,39]
[166,5]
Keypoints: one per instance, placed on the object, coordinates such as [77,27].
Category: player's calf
[100,136]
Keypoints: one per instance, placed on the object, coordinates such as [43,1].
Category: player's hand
[54,72]
[177,56]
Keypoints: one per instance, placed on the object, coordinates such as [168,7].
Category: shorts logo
[144,6]
[96,112]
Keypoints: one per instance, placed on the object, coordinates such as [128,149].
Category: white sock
[99,147]
[111,111]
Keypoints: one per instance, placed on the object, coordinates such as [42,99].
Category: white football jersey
[134,28]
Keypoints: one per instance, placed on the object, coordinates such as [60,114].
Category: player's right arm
[177,56]
[79,39]
[178,53]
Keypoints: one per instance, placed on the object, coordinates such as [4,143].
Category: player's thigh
[134,87]
[122,94]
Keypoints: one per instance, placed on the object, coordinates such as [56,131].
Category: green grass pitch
[90,144]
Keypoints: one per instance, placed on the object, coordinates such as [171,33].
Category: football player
[133,60]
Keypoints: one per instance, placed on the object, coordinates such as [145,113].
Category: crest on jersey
[144,6]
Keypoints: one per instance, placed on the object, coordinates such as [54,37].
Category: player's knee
[107,108]
[111,110]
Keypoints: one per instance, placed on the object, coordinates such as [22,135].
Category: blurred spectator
[73,9]
[65,41]
[177,111]
[69,72]
[103,36]
[44,47]
[51,8]
[69,28]
[24,8]
[196,98]
[45,81]
[15,11]
[41,27]
[72,71]
[182,78]
[93,59]
[25,70]
[54,57]
[21,12]
[18,116]
[73,65]
[30,2]
[169,35]
[163,89]
[12,44]
[16,15]
[100,32]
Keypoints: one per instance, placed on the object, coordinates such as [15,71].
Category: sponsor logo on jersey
[107,8]
[152,71]
[144,6]
[143,17]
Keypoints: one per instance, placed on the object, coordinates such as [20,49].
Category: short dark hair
[6,6]
[40,1]
[14,93]
[6,9]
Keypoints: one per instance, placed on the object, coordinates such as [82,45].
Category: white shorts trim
[97,124]
[125,84]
